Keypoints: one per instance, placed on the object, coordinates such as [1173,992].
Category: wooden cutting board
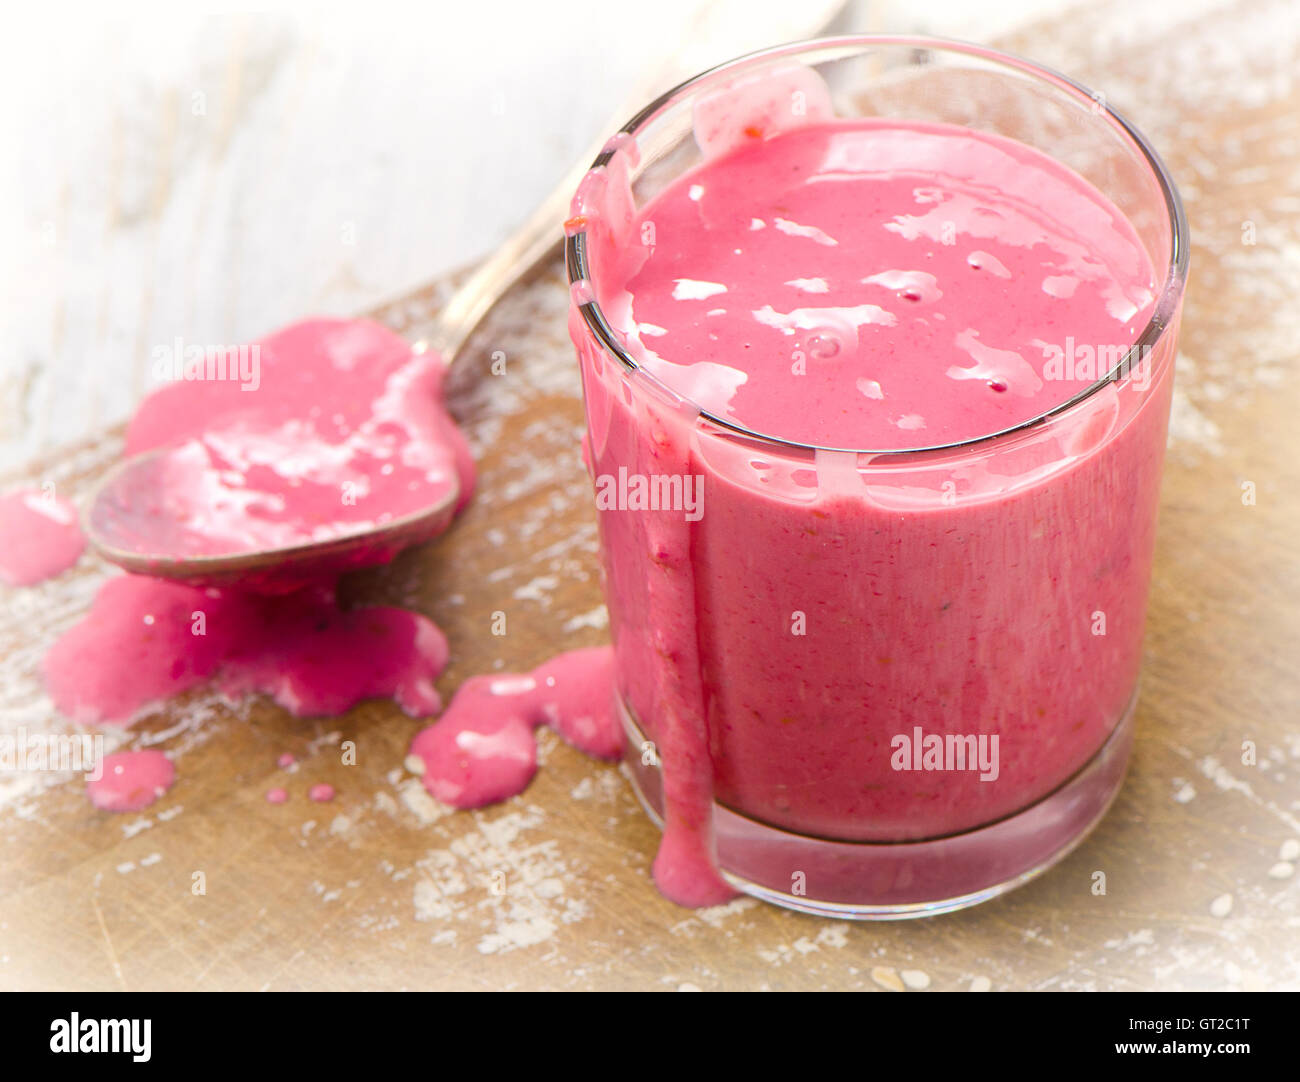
[385,889]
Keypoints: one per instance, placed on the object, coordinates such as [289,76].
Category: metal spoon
[108,515]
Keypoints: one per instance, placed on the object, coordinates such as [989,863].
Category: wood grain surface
[382,888]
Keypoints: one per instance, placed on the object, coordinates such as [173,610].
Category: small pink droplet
[276,796]
[997,385]
[321,793]
[131,780]
[285,761]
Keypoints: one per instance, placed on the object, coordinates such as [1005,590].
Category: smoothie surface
[872,285]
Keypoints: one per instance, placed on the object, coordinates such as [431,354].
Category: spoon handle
[526,247]
[531,243]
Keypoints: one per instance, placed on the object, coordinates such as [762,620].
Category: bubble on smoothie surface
[131,780]
[39,536]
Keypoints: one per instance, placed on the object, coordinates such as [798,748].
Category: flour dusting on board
[506,870]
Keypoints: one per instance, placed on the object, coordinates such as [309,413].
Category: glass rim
[1162,315]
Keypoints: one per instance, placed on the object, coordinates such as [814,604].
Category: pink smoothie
[482,750]
[131,780]
[338,426]
[146,640]
[878,286]
[39,537]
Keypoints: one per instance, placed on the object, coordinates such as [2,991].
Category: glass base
[901,880]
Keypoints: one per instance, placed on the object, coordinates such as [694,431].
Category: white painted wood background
[212,176]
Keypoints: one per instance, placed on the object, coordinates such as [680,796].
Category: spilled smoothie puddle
[482,750]
[146,640]
[39,537]
[131,780]
[340,409]
[325,428]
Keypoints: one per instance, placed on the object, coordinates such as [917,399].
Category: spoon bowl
[116,519]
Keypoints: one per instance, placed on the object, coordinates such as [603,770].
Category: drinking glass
[783,655]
